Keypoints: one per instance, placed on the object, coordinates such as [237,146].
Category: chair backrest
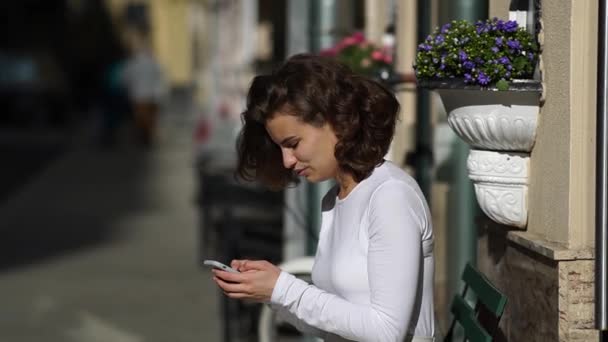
[480,322]
[465,316]
[487,294]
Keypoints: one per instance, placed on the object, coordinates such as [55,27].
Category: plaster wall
[171,38]
[561,193]
[406,50]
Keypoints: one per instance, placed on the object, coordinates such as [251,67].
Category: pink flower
[348,41]
[358,37]
[388,59]
[377,55]
[353,39]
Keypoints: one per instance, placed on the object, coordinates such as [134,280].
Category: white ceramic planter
[501,185]
[493,120]
[501,128]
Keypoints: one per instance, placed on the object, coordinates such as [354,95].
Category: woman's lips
[301,172]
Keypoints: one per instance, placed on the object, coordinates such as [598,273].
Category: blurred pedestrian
[115,100]
[146,85]
[373,270]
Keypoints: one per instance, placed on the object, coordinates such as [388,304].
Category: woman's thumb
[236,264]
[248,265]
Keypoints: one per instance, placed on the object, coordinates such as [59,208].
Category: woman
[373,271]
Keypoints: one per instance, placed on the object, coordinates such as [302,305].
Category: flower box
[472,67]
[491,119]
[500,126]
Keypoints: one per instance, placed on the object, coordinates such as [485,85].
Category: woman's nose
[289,160]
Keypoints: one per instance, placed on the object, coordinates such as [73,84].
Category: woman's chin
[309,178]
[315,178]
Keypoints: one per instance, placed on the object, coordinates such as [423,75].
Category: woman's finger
[229,276]
[248,265]
[236,295]
[236,264]
[230,287]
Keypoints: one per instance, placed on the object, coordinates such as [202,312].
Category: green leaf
[502,85]
[520,63]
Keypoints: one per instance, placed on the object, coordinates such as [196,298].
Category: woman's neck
[346,184]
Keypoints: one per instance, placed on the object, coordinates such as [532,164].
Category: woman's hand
[255,282]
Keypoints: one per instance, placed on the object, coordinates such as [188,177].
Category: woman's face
[307,150]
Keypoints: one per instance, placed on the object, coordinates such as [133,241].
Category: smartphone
[219,266]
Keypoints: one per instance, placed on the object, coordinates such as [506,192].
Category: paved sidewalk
[102,246]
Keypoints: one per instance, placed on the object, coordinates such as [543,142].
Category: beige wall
[562,183]
[550,167]
[583,81]
[562,179]
[406,39]
[172,40]
[375,19]
[499,9]
[170,35]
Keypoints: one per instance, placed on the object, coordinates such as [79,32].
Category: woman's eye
[293,146]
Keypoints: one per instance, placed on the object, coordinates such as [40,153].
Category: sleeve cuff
[280,288]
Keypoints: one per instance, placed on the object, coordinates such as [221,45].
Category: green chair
[479,323]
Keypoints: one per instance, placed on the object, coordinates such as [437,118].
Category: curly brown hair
[318,90]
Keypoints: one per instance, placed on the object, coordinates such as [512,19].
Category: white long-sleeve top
[373,271]
[144,77]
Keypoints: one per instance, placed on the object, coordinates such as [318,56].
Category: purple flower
[507,74]
[442,67]
[468,78]
[429,38]
[509,67]
[498,41]
[479,61]
[500,25]
[514,44]
[439,39]
[504,60]
[482,78]
[530,56]
[481,27]
[468,65]
[510,26]
[445,28]
[462,56]
[494,49]
[424,47]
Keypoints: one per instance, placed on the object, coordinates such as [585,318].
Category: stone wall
[548,299]
[576,298]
